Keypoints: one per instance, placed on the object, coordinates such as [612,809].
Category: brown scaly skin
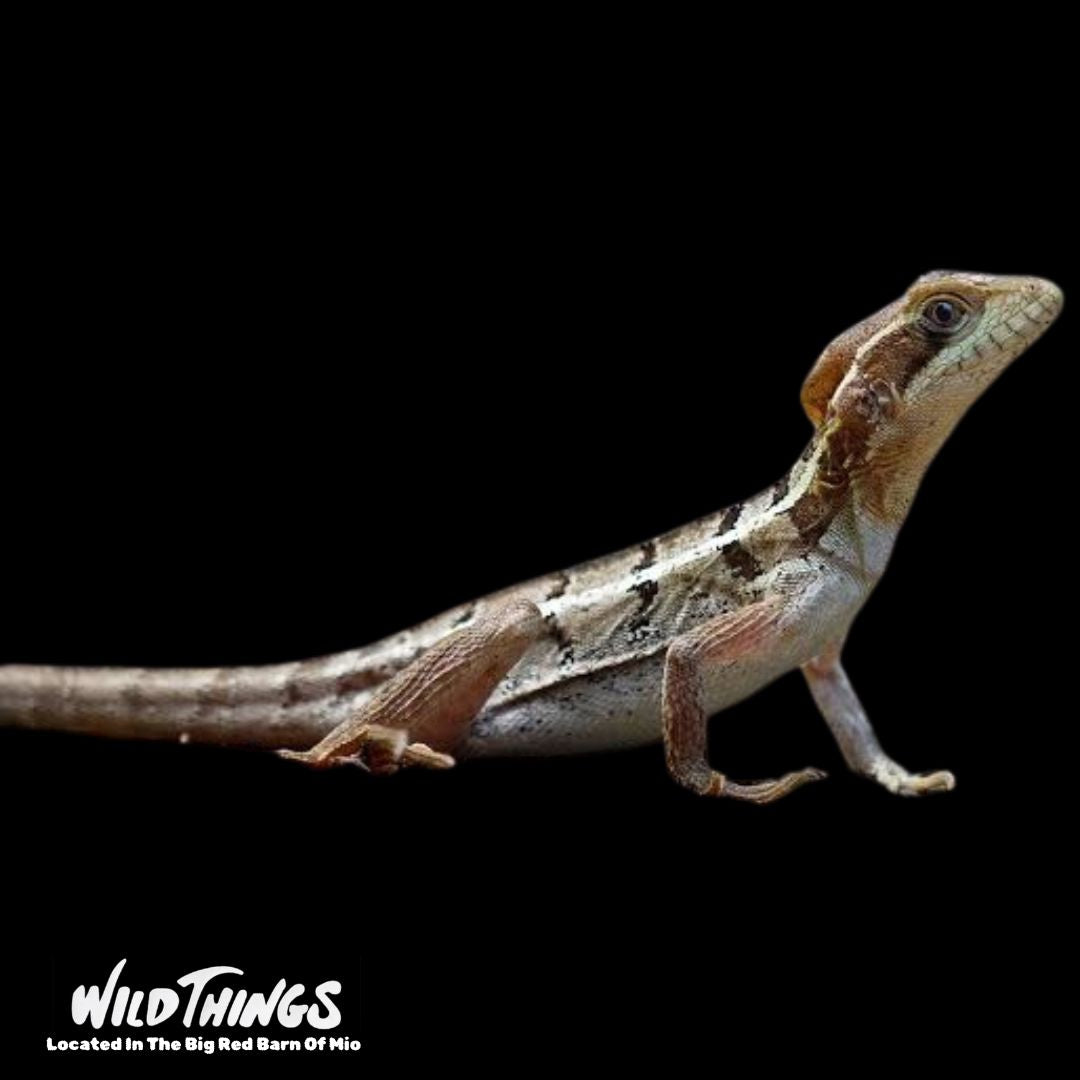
[647,643]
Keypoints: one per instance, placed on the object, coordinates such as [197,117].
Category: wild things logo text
[122,1005]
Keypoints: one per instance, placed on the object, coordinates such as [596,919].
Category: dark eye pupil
[944,313]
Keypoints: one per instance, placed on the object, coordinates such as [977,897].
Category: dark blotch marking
[901,355]
[811,515]
[780,490]
[293,694]
[464,617]
[647,592]
[648,555]
[730,519]
[742,562]
[844,453]
[560,586]
[563,641]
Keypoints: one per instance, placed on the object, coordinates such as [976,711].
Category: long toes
[770,790]
[792,781]
[421,754]
[295,755]
[929,783]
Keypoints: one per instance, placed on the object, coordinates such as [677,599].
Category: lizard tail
[273,707]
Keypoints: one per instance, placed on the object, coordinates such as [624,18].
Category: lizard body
[645,644]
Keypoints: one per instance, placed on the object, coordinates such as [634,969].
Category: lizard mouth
[1026,318]
[1042,305]
[1022,314]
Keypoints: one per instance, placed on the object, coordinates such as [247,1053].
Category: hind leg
[426,708]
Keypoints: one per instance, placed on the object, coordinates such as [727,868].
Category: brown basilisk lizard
[645,644]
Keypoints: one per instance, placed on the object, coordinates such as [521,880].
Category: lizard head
[886,394]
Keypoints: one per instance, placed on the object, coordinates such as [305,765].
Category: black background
[280,389]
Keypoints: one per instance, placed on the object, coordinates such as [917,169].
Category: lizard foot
[770,790]
[900,782]
[382,752]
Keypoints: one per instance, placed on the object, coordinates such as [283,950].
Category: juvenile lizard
[643,645]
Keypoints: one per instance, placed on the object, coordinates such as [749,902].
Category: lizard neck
[886,481]
[852,488]
[815,509]
[844,505]
[872,468]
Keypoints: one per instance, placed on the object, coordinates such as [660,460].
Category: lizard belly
[619,706]
[612,709]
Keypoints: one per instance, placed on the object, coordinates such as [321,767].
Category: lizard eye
[944,314]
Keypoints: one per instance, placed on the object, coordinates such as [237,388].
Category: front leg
[722,642]
[850,727]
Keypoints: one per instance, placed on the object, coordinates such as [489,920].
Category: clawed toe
[900,782]
[419,753]
[296,755]
[383,754]
[928,783]
[770,790]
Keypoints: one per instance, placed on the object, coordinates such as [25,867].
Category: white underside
[620,707]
